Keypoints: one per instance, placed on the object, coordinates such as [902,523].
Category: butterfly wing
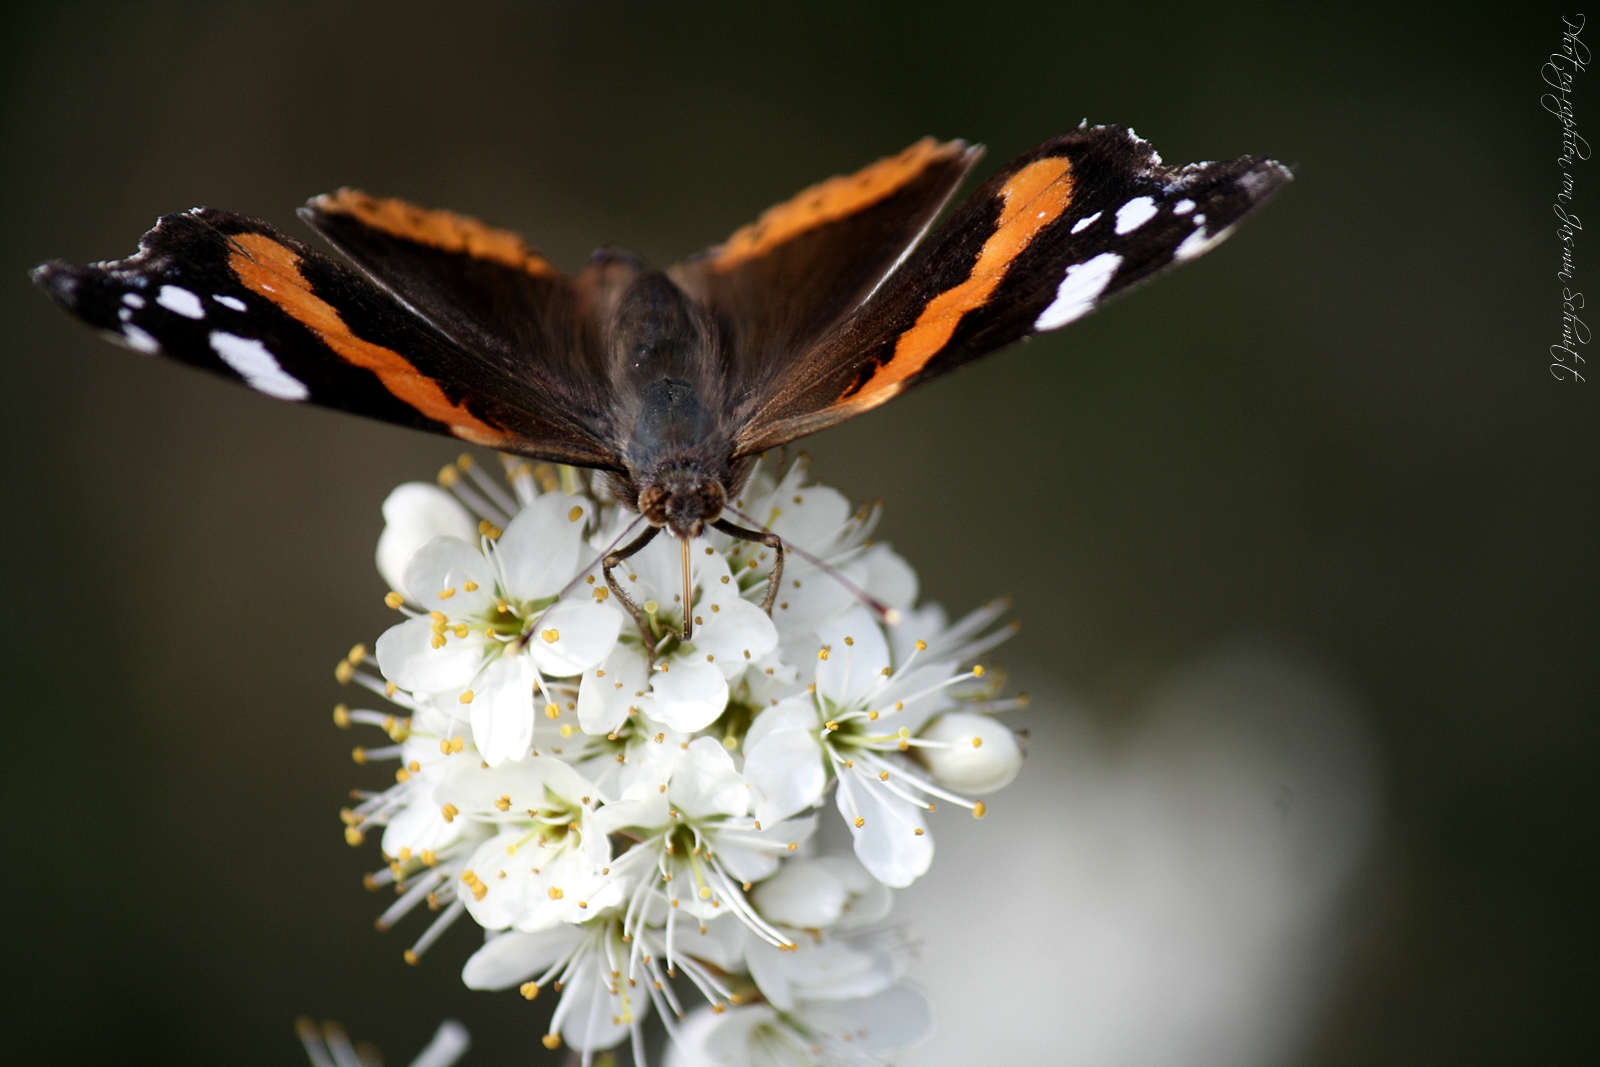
[236,297]
[779,284]
[1053,235]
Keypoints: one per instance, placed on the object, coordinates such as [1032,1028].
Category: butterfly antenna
[886,614]
[623,536]
[688,593]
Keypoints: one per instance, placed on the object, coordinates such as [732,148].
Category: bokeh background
[1312,507]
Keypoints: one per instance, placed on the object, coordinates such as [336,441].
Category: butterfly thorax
[663,357]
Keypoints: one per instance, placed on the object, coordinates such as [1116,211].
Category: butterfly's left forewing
[233,296]
[1049,238]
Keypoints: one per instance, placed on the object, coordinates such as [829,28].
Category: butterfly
[671,382]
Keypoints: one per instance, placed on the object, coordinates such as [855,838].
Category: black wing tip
[59,279]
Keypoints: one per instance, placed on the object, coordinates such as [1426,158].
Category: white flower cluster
[629,815]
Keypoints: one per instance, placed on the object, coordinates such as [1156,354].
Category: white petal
[414,514]
[810,597]
[594,1019]
[690,696]
[738,1038]
[573,636]
[971,768]
[816,522]
[752,855]
[502,710]
[407,658]
[734,636]
[785,773]
[705,782]
[797,713]
[505,880]
[857,655]
[541,549]
[886,842]
[896,1018]
[804,894]
[607,692]
[513,958]
[437,574]
[870,899]
[722,944]
[889,577]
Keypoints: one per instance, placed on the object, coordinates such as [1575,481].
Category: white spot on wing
[124,314]
[257,366]
[231,302]
[1079,290]
[140,341]
[133,300]
[1183,207]
[180,301]
[1197,244]
[1135,213]
[1085,222]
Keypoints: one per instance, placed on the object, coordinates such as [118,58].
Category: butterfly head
[685,501]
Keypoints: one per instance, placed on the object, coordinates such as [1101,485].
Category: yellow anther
[551,1041]
[601,592]
[710,658]
[464,461]
[918,832]
[551,711]
[849,640]
[437,640]
[503,803]
[393,600]
[438,617]
[402,775]
[872,715]
[883,776]
[357,654]
[444,746]
[430,858]
[1022,700]
[793,845]
[905,746]
[448,475]
[753,564]
[831,724]
[575,514]
[344,672]
[446,594]
[529,990]
[503,606]
[556,893]
[724,579]
[341,716]
[466,697]
[353,837]
[470,586]
[977,742]
[457,744]
[886,671]
[714,608]
[566,730]
[905,731]
[718,1009]
[461,629]
[405,854]
[659,738]
[358,754]
[922,646]
[449,811]
[860,822]
[390,689]
[551,636]
[600,672]
[977,671]
[822,653]
[413,766]
[978,810]
[412,958]
[899,705]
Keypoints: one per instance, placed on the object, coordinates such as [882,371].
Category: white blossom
[621,807]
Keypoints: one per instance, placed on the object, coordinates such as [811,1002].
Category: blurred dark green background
[1336,432]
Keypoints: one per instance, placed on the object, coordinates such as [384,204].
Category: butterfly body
[671,382]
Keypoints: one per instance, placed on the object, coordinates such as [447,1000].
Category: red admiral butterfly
[670,381]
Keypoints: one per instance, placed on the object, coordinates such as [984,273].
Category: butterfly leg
[772,541]
[614,560]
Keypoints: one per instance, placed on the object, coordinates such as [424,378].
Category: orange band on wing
[439,229]
[831,200]
[1034,198]
[266,267]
